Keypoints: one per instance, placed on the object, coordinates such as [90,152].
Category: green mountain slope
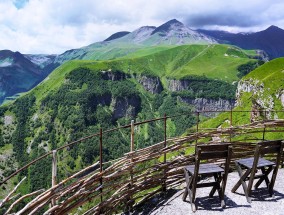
[82,96]
[261,90]
[213,61]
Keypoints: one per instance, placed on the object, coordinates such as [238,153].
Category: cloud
[52,26]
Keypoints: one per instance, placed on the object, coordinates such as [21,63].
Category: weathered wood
[23,197]
[54,172]
[7,198]
[146,168]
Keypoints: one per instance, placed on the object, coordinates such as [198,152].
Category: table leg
[242,181]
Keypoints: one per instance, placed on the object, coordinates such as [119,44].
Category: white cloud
[54,26]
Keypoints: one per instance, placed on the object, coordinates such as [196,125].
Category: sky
[54,26]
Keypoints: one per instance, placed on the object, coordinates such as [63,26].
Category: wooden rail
[150,171]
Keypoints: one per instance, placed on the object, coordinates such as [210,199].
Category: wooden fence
[122,184]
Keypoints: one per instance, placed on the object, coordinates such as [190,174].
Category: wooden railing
[121,184]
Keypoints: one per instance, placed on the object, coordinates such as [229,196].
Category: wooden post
[54,173]
[131,148]
[101,161]
[131,160]
[165,154]
[263,134]
[132,136]
[197,121]
[231,123]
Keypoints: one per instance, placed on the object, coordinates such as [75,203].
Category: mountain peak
[173,21]
[273,28]
[117,35]
[166,27]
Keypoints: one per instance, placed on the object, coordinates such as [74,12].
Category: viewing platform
[236,203]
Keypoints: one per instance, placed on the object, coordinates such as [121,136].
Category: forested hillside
[80,97]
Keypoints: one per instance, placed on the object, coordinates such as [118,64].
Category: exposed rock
[151,84]
[178,85]
[259,99]
[114,76]
[262,55]
[250,85]
[203,104]
[125,107]
[280,95]
[8,120]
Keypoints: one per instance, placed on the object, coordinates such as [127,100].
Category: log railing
[139,174]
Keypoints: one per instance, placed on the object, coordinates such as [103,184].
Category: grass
[163,61]
[270,77]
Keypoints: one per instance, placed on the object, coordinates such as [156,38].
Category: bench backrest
[213,151]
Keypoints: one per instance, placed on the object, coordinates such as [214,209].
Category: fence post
[165,154]
[263,133]
[231,123]
[131,160]
[132,136]
[197,121]
[53,173]
[101,161]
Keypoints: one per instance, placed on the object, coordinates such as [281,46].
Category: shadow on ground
[155,202]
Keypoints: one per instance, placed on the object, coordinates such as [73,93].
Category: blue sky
[20,3]
[54,26]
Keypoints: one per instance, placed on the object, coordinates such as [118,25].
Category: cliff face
[203,104]
[178,85]
[281,96]
[150,84]
[114,76]
[125,107]
[257,89]
[261,97]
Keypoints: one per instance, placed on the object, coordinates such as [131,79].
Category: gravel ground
[236,203]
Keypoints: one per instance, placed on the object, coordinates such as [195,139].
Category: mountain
[120,44]
[269,40]
[40,59]
[117,35]
[18,73]
[82,96]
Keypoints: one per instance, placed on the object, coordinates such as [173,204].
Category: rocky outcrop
[125,106]
[114,76]
[203,104]
[259,99]
[151,84]
[255,87]
[250,85]
[280,96]
[178,85]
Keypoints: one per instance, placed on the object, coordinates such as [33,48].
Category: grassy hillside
[267,84]
[213,61]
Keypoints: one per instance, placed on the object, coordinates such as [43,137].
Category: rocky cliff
[260,100]
[177,85]
[151,84]
[203,104]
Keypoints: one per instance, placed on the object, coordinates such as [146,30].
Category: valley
[139,75]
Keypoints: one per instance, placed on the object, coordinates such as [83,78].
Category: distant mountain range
[19,73]
[269,40]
